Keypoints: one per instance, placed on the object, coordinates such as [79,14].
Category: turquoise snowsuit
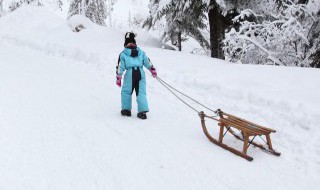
[134,78]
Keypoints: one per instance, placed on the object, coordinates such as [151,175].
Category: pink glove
[118,82]
[153,71]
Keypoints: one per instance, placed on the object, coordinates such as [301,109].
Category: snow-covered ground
[60,123]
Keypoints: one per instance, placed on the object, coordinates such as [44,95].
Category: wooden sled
[247,129]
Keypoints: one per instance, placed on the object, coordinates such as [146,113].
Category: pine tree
[314,38]
[109,9]
[1,7]
[95,10]
[315,59]
[77,7]
[181,17]
[60,4]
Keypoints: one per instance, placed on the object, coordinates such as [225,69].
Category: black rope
[251,141]
[228,128]
[170,88]
[263,140]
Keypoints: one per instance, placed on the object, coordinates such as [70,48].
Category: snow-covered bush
[109,10]
[18,3]
[79,22]
[95,10]
[136,20]
[280,38]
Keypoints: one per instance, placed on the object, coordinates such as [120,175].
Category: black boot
[126,112]
[142,115]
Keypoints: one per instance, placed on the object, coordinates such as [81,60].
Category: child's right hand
[118,82]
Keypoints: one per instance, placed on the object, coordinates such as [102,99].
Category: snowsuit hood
[132,51]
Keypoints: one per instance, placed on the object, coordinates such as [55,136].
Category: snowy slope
[60,126]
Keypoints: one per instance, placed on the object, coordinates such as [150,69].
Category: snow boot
[126,113]
[142,115]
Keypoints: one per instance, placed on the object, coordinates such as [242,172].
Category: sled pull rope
[172,89]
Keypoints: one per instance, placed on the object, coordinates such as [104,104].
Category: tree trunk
[316,60]
[303,1]
[216,30]
[179,41]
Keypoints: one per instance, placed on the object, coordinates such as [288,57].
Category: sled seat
[248,131]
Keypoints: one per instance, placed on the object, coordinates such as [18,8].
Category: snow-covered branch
[282,40]
[257,44]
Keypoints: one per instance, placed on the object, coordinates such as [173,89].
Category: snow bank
[78,22]
[52,30]
[60,126]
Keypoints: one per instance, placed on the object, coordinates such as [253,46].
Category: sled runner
[248,132]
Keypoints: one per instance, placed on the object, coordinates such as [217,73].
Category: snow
[78,20]
[60,123]
[123,8]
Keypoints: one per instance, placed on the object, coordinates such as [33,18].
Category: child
[132,59]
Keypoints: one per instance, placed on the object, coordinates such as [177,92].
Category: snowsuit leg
[134,80]
[126,91]
[142,95]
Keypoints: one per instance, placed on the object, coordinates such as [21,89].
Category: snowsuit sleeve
[146,61]
[121,65]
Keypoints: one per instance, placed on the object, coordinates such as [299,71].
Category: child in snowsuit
[132,59]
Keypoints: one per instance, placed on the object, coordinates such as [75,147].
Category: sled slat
[261,130]
[229,115]
[243,128]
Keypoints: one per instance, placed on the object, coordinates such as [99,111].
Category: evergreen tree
[109,8]
[95,10]
[60,4]
[1,7]
[181,17]
[78,7]
[314,38]
[315,59]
